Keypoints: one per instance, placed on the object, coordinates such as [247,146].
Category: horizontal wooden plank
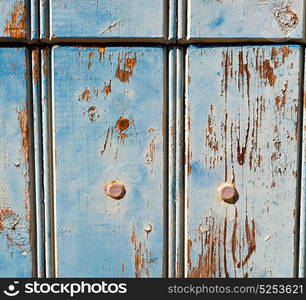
[246,19]
[107,19]
[108,131]
[15,208]
[242,129]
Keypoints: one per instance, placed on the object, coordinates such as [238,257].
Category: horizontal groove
[144,42]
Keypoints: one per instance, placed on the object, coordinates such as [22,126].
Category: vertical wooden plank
[34,19]
[242,128]
[15,148]
[44,19]
[38,145]
[181,19]
[246,19]
[302,242]
[109,128]
[172,19]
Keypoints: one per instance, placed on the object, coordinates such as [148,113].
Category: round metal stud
[115,189]
[228,193]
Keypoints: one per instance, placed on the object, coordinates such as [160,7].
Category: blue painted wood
[242,128]
[38,145]
[44,25]
[176,163]
[107,19]
[172,19]
[108,125]
[246,19]
[15,207]
[181,19]
[34,19]
[172,164]
[179,156]
[47,163]
[18,19]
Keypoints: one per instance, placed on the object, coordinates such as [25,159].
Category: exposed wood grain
[242,128]
[108,168]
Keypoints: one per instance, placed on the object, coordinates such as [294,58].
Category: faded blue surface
[241,128]
[243,19]
[97,235]
[15,250]
[111,18]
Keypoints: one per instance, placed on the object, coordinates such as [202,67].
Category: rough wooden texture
[242,128]
[15,248]
[245,19]
[108,126]
[104,19]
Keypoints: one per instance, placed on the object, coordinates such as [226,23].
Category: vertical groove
[165,164]
[46,71]
[36,117]
[182,19]
[301,213]
[179,158]
[44,22]
[172,163]
[31,172]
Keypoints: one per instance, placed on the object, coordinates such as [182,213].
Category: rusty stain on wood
[141,258]
[106,141]
[122,125]
[23,124]
[35,65]
[107,87]
[150,154]
[213,240]
[102,51]
[125,71]
[16,27]
[85,96]
[13,228]
[44,62]
[90,56]
[92,113]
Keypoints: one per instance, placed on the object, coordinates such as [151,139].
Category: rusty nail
[115,189]
[228,193]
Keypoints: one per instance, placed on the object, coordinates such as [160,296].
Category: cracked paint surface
[268,19]
[104,19]
[15,210]
[242,128]
[14,23]
[116,106]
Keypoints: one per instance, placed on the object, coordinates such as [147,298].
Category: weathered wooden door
[152,138]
